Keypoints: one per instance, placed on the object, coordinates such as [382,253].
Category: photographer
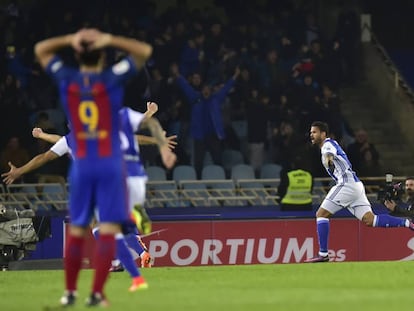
[406,209]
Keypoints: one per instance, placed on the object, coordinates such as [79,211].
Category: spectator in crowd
[272,76]
[192,56]
[363,155]
[201,42]
[328,108]
[206,127]
[285,142]
[243,89]
[307,94]
[348,37]
[257,129]
[15,152]
[406,208]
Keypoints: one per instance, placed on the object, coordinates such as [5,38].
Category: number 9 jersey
[91,101]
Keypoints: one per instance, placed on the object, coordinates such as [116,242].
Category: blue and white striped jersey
[342,171]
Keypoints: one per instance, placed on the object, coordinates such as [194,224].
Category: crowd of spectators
[268,65]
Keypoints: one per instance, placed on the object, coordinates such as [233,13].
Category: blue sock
[322,225]
[132,241]
[385,221]
[125,256]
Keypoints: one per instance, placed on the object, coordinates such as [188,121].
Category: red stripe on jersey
[101,98]
[73,98]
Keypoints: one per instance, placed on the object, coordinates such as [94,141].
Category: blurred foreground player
[92,97]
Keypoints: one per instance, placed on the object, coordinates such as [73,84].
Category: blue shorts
[99,189]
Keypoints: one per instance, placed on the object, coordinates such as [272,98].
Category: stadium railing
[195,193]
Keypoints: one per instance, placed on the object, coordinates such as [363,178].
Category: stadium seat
[213,172]
[231,158]
[184,172]
[242,171]
[270,171]
[156,173]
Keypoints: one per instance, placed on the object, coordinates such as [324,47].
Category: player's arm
[152,108]
[140,51]
[45,50]
[168,157]
[36,162]
[328,159]
[149,140]
[37,132]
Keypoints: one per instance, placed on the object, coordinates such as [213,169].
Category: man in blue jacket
[207,129]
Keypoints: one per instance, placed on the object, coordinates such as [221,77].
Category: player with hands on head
[91,97]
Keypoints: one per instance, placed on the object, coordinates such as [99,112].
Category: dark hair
[89,57]
[322,126]
[409,178]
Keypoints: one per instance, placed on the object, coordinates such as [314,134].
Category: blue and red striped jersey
[92,102]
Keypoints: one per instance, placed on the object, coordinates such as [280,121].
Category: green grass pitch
[327,286]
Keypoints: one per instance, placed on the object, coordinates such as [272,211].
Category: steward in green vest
[295,189]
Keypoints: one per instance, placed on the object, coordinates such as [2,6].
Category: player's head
[318,132]
[90,58]
[409,186]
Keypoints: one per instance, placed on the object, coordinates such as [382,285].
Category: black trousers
[211,144]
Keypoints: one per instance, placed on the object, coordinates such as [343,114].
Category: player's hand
[76,40]
[152,107]
[390,204]
[236,72]
[12,175]
[97,39]
[168,157]
[172,141]
[37,132]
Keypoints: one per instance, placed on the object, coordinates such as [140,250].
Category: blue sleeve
[222,93]
[58,70]
[189,92]
[121,71]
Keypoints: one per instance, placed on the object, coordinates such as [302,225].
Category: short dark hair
[89,57]
[409,178]
[322,126]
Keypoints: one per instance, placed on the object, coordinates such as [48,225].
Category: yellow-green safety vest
[299,189]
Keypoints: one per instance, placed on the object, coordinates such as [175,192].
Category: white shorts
[350,196]
[136,190]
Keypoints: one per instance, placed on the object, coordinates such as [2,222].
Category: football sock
[132,241]
[73,261]
[385,221]
[95,232]
[125,256]
[104,253]
[322,225]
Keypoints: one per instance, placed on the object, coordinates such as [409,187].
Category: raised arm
[37,132]
[140,51]
[168,157]
[152,108]
[45,50]
[149,140]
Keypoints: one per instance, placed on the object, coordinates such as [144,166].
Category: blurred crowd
[260,72]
